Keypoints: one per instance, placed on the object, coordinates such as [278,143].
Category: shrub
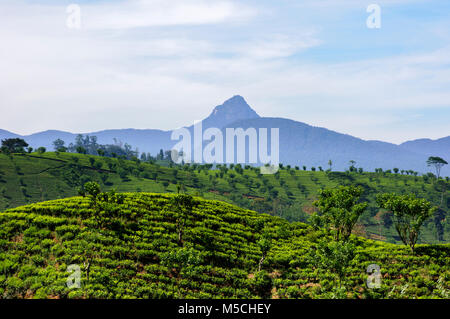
[262,284]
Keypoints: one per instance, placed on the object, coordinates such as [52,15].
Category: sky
[164,64]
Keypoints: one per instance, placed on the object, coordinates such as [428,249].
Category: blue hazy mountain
[439,147]
[300,143]
[232,110]
[303,144]
[6,134]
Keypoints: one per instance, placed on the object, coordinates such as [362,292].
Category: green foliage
[184,262]
[409,215]
[182,205]
[127,246]
[92,189]
[288,194]
[58,145]
[262,284]
[339,210]
[437,162]
[13,145]
[265,243]
[334,257]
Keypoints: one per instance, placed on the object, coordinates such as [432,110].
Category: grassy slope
[39,241]
[27,179]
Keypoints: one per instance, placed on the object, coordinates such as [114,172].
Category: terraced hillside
[129,246]
[30,178]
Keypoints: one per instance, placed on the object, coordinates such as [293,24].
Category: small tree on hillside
[265,243]
[93,190]
[409,215]
[437,162]
[442,186]
[339,210]
[334,257]
[13,145]
[58,144]
[182,205]
[352,167]
[160,156]
[81,150]
[181,188]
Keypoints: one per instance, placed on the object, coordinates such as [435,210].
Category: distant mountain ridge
[300,143]
[439,147]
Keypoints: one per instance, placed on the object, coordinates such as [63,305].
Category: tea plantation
[31,178]
[138,245]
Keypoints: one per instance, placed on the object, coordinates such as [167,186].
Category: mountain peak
[232,110]
[235,99]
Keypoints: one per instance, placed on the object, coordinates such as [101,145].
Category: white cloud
[278,46]
[148,13]
[353,3]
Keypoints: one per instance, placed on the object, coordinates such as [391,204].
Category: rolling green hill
[30,178]
[131,248]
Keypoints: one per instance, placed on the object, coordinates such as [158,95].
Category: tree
[41,150]
[58,144]
[439,218]
[181,187]
[81,150]
[93,189]
[339,210]
[334,257]
[352,167]
[396,170]
[409,215]
[437,162]
[168,156]
[442,186]
[160,155]
[330,163]
[182,205]
[14,145]
[265,243]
